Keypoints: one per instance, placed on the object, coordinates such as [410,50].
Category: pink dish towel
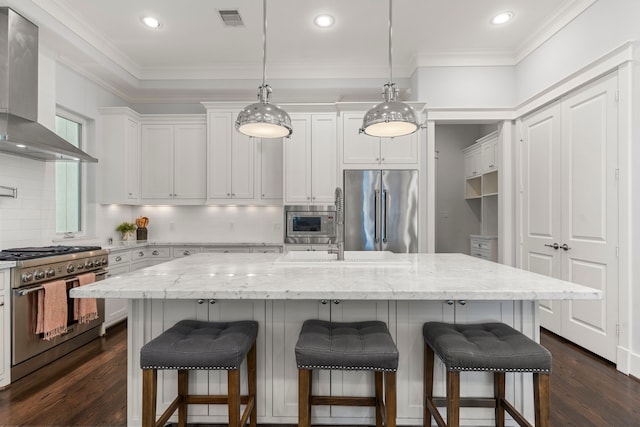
[85,309]
[52,309]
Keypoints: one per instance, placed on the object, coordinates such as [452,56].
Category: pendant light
[262,119]
[391,117]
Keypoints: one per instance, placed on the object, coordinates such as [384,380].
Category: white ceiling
[194,51]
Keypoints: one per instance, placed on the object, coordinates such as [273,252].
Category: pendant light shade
[391,117]
[262,119]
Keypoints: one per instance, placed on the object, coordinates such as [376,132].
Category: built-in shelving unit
[481,181]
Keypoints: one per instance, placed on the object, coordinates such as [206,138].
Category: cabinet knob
[131,194]
[155,253]
[1,303]
[383,159]
[140,253]
[336,301]
[462,302]
[186,253]
[450,302]
[323,301]
[228,194]
[118,258]
[233,194]
[212,301]
[200,301]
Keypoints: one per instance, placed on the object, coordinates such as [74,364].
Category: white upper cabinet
[472,161]
[173,162]
[489,146]
[361,149]
[271,169]
[118,130]
[231,165]
[311,159]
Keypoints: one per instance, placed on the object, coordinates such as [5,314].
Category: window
[69,179]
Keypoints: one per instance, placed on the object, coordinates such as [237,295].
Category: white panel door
[589,213]
[580,193]
[358,148]
[400,150]
[242,165]
[132,160]
[541,204]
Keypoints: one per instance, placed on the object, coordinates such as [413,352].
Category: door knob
[555,246]
[565,247]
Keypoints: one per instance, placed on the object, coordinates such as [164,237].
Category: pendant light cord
[390,45]
[264,42]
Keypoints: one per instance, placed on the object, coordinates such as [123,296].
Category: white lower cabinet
[115,309]
[5,329]
[165,313]
[148,256]
[280,322]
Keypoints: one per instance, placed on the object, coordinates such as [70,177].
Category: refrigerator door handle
[376,221]
[385,219]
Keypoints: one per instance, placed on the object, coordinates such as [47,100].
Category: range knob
[50,272]
[27,277]
[71,268]
[88,264]
[38,275]
[105,261]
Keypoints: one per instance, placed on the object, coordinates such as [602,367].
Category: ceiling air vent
[231,18]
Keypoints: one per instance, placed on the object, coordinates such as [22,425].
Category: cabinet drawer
[183,251]
[119,258]
[148,253]
[266,250]
[481,254]
[477,244]
[228,250]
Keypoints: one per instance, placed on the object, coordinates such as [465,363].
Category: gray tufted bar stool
[365,346]
[197,345]
[489,347]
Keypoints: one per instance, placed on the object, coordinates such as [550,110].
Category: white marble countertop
[264,276]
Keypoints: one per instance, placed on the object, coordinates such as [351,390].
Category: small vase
[125,236]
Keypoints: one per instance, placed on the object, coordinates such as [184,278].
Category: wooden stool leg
[304,397]
[183,391]
[379,395]
[427,384]
[453,399]
[149,393]
[541,394]
[498,394]
[252,379]
[390,398]
[233,390]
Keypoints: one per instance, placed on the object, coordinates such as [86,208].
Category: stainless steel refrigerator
[381,210]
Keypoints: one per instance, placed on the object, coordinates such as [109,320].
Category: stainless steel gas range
[35,267]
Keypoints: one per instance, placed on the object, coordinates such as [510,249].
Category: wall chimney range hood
[20,133]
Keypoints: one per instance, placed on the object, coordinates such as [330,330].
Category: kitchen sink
[357,258]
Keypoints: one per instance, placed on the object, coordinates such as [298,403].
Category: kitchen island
[281,291]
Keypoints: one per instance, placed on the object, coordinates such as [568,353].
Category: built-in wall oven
[310,224]
[34,268]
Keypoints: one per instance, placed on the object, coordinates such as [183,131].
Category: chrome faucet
[339,248]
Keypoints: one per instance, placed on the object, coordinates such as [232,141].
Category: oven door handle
[23,292]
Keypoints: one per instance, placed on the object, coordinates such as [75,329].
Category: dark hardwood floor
[88,388]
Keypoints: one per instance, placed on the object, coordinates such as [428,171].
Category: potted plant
[126,229]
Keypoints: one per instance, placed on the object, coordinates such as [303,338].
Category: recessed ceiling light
[502,18]
[151,22]
[324,21]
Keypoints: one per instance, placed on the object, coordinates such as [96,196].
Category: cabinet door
[115,309]
[235,310]
[489,156]
[5,325]
[132,150]
[358,148]
[271,169]
[156,161]
[323,158]
[288,317]
[219,155]
[400,150]
[242,165]
[472,162]
[297,160]
[190,162]
[409,319]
